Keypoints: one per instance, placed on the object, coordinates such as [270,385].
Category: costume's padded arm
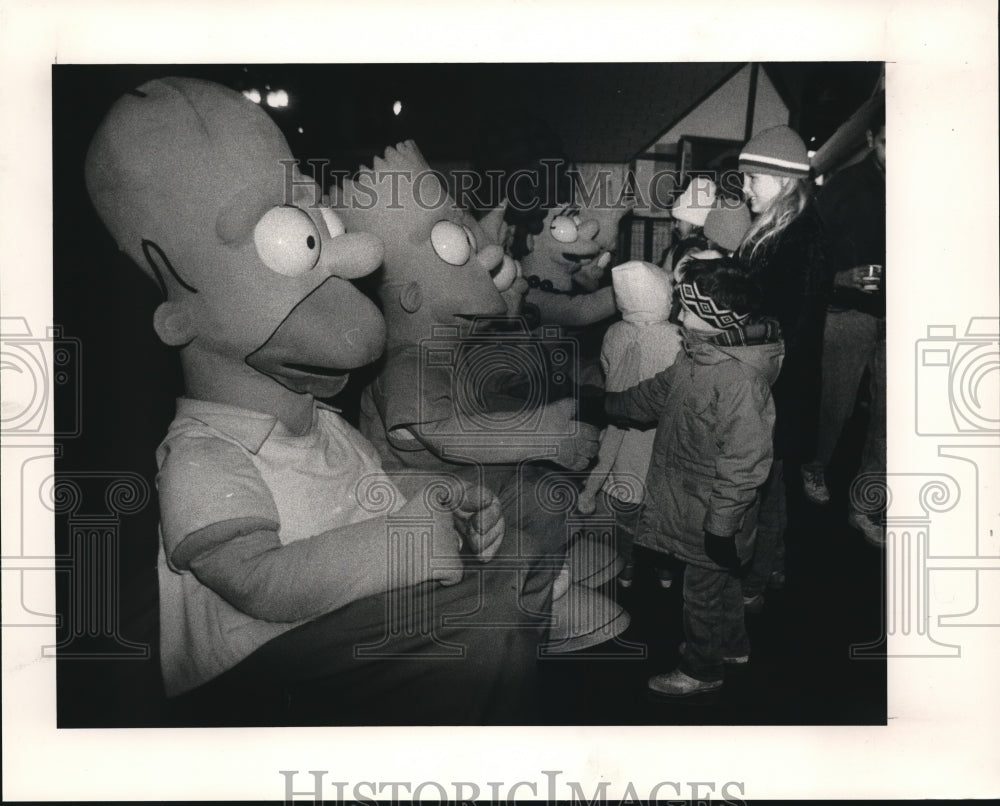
[745,418]
[577,310]
[259,576]
[220,522]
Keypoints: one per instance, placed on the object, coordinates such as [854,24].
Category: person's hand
[479,522]
[722,551]
[855,278]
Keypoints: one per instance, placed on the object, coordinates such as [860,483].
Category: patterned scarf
[766,331]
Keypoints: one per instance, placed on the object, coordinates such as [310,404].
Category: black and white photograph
[601,514]
[574,408]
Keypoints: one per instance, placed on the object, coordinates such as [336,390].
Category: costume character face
[197,184]
[564,246]
[441,265]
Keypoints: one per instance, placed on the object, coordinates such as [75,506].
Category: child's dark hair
[682,247]
[728,283]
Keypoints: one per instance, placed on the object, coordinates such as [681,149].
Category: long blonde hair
[783,210]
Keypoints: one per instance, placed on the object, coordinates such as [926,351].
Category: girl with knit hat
[785,251]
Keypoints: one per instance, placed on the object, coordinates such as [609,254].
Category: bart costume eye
[564,229]
[287,241]
[452,242]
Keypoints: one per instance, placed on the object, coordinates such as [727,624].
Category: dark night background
[490,115]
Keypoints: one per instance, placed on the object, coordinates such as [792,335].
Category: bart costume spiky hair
[439,261]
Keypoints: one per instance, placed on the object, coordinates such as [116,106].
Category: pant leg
[873,457]
[848,344]
[772,520]
[713,622]
[626,521]
[427,655]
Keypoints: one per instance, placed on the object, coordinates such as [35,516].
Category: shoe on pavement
[814,485]
[583,618]
[678,684]
[872,529]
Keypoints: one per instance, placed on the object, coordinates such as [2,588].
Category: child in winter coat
[711,454]
[640,345]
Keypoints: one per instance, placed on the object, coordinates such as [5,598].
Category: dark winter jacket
[795,279]
[712,449]
[851,206]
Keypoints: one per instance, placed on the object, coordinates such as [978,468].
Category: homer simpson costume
[276,559]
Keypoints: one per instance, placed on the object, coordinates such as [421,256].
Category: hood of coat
[643,292]
[758,346]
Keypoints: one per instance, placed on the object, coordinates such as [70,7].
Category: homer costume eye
[563,229]
[452,242]
[287,241]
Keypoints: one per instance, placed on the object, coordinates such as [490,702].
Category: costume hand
[586,503]
[589,275]
[576,443]
[444,563]
[722,551]
[480,522]
[575,452]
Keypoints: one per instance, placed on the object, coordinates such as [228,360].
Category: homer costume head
[198,186]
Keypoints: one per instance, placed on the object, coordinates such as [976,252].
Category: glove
[722,551]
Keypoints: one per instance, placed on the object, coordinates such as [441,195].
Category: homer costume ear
[173,324]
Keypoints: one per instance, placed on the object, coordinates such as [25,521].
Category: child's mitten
[722,550]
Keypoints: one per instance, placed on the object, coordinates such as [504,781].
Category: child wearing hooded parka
[711,454]
[643,343]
